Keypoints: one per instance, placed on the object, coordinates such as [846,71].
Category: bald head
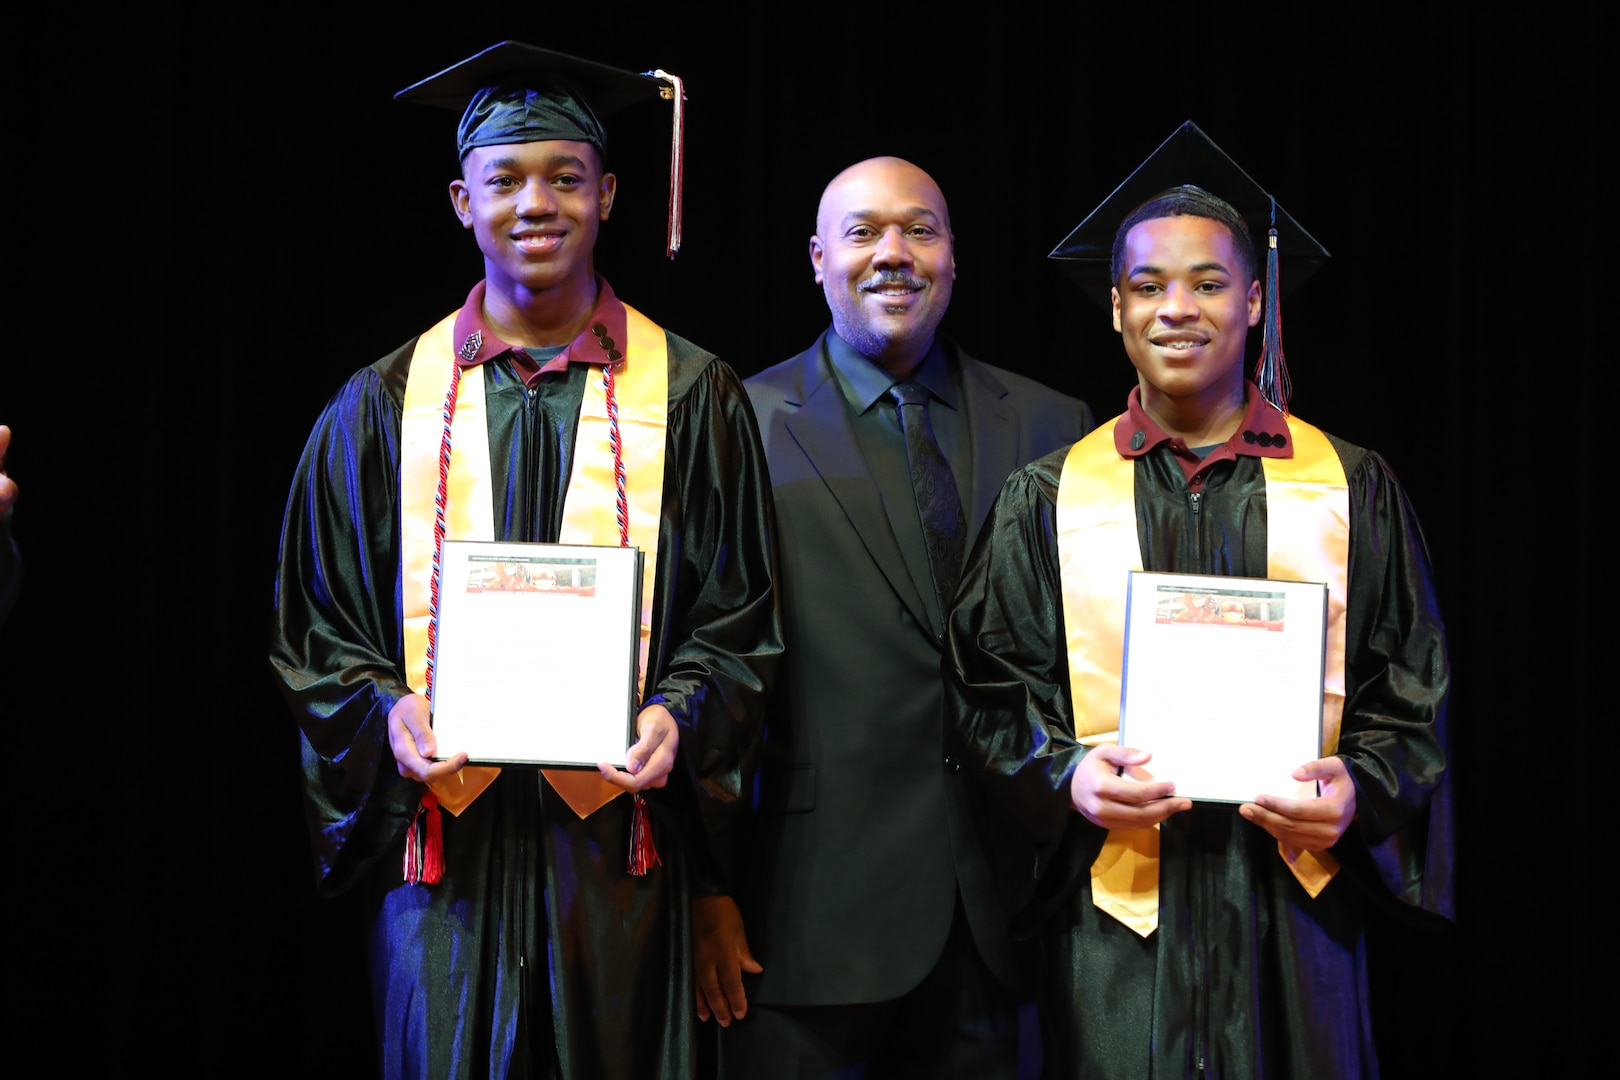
[884,257]
[881,174]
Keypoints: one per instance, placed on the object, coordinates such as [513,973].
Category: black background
[218,214]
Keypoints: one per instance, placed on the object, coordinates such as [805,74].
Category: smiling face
[535,209]
[1184,309]
[883,255]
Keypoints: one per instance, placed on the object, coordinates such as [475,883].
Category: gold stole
[1307,539]
[641,392]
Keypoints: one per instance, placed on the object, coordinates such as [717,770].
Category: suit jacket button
[951,764]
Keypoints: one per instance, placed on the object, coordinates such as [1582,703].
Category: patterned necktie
[938,504]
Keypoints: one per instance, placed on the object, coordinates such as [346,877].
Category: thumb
[1123,755]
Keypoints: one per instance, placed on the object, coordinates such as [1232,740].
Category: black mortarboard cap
[1189,156]
[517,93]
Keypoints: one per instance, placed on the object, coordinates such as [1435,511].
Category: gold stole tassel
[1307,504]
[589,513]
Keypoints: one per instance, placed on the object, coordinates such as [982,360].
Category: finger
[410,761]
[615,776]
[443,770]
[711,1001]
[1299,809]
[629,782]
[1117,756]
[652,740]
[1151,814]
[1126,789]
[1311,836]
[1279,827]
[723,999]
[737,1003]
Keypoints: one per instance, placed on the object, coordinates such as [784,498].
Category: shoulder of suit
[782,381]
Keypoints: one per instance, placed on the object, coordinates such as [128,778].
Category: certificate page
[1222,682]
[537,652]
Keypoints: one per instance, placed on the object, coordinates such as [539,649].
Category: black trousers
[960,1021]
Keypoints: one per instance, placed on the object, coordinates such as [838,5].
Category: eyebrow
[1196,268]
[552,162]
[911,213]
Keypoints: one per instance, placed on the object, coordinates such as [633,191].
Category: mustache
[889,278]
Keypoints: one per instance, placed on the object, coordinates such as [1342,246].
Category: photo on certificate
[1222,682]
[536,653]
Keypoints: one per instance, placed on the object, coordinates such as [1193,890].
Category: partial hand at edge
[8,486]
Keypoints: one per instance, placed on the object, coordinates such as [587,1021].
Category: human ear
[461,202]
[815,256]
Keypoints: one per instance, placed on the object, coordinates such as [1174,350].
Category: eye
[505,183]
[1210,288]
[921,232]
[566,180]
[1147,288]
[861,232]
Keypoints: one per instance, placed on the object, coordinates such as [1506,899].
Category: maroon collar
[604,339]
[1262,433]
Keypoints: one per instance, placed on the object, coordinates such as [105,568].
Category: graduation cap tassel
[676,92]
[1271,373]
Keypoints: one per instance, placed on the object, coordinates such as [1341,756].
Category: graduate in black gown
[1228,941]
[537,951]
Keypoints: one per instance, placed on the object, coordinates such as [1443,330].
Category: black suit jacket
[864,828]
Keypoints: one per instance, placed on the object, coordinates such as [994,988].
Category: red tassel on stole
[424,843]
[643,855]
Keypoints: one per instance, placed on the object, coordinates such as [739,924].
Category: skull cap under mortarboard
[1189,156]
[518,93]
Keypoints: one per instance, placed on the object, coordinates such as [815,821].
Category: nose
[536,200]
[1179,304]
[892,251]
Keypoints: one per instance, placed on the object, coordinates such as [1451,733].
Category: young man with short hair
[520,923]
[1185,938]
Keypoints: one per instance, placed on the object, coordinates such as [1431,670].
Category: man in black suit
[860,875]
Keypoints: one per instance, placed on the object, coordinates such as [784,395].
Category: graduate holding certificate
[1203,938]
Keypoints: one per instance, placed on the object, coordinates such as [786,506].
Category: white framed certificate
[1222,682]
[536,653]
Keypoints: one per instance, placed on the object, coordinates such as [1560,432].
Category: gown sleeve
[337,646]
[720,617]
[1007,695]
[1394,738]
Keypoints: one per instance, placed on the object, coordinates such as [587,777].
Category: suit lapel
[822,430]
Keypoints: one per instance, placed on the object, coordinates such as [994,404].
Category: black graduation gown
[538,954]
[1246,976]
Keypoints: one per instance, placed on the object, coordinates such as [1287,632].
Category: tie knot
[909,393]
